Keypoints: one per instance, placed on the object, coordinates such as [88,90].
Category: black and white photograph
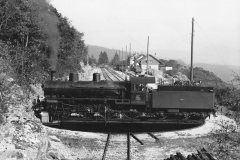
[119,80]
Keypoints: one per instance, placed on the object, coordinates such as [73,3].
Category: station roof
[144,57]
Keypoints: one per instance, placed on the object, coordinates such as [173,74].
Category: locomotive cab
[139,92]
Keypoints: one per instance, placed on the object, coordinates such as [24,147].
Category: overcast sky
[117,23]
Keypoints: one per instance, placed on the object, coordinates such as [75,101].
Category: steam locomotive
[123,101]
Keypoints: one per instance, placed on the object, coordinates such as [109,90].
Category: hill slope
[211,55]
[225,72]
[95,51]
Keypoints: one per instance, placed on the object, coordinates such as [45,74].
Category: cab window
[138,87]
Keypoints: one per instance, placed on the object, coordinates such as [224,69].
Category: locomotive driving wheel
[84,115]
[132,114]
[66,113]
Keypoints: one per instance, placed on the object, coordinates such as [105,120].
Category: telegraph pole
[130,50]
[147,54]
[126,56]
[122,57]
[87,59]
[191,73]
[119,56]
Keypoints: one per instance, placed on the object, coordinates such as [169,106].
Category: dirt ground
[90,146]
[86,145]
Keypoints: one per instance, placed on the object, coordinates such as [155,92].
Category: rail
[105,75]
[115,74]
[202,154]
[110,75]
[130,74]
[129,134]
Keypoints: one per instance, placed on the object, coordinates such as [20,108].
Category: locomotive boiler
[108,103]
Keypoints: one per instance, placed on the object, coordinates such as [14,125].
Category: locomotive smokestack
[73,77]
[96,77]
[53,75]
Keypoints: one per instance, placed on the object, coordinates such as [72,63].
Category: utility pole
[130,50]
[191,73]
[122,58]
[129,55]
[126,56]
[147,54]
[87,59]
[119,56]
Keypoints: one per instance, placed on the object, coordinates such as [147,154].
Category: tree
[227,137]
[171,63]
[38,39]
[92,60]
[115,59]
[163,60]
[5,59]
[72,48]
[103,58]
[100,58]
[21,30]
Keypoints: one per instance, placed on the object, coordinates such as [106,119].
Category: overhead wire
[215,49]
[138,29]
[165,44]
[173,31]
[143,28]
[181,38]
[211,43]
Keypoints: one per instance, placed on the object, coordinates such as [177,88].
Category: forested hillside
[96,50]
[199,74]
[225,72]
[35,38]
[226,94]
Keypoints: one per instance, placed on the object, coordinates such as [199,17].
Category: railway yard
[109,74]
[106,74]
[33,139]
[160,145]
[176,145]
[79,81]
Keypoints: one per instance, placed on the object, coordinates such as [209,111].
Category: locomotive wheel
[88,115]
[82,115]
[113,114]
[66,113]
[132,115]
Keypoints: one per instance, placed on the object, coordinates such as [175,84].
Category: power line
[176,40]
[136,29]
[210,43]
[215,49]
[166,35]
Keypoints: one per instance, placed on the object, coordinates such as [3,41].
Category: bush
[227,140]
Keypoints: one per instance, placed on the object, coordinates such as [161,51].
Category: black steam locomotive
[123,101]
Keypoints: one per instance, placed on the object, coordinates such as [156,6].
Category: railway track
[202,154]
[130,74]
[106,75]
[115,74]
[111,75]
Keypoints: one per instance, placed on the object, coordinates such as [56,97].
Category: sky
[115,24]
